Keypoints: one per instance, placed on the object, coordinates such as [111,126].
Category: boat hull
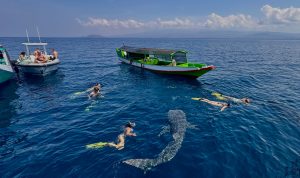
[6,73]
[191,72]
[39,69]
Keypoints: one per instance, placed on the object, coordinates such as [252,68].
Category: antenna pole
[37,29]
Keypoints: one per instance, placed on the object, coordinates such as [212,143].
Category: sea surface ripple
[44,127]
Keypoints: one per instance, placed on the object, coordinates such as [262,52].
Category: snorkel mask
[130,124]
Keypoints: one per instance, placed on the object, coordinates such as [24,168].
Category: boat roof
[35,44]
[151,50]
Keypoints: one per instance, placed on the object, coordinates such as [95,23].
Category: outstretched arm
[224,107]
[129,133]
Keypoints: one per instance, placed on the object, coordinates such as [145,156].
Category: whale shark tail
[144,164]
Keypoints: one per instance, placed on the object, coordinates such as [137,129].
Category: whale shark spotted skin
[177,127]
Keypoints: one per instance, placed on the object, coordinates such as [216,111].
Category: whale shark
[177,127]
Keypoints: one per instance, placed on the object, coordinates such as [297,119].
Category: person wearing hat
[128,131]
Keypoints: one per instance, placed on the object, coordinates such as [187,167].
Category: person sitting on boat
[128,131]
[36,51]
[215,103]
[22,56]
[173,63]
[232,99]
[39,57]
[54,54]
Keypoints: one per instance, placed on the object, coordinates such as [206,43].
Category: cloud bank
[281,16]
[272,16]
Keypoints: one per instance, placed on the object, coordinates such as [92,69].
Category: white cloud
[115,23]
[272,20]
[176,23]
[231,21]
[281,16]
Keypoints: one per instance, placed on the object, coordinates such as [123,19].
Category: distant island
[95,36]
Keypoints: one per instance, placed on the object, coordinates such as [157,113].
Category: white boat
[30,66]
[6,70]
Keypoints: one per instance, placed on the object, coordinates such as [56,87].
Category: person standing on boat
[128,131]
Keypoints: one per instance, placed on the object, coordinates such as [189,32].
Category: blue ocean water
[44,126]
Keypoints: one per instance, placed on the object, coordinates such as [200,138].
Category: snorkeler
[229,98]
[215,103]
[128,131]
[95,90]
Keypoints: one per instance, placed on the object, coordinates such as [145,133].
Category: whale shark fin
[165,129]
[191,126]
[144,164]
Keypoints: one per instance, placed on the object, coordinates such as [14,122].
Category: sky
[70,18]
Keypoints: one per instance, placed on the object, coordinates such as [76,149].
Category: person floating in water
[95,91]
[232,99]
[214,103]
[128,131]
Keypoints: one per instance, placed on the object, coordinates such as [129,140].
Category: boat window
[163,57]
[135,56]
[180,57]
[2,61]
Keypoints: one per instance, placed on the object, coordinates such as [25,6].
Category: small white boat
[29,65]
[6,70]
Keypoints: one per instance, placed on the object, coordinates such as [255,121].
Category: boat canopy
[35,44]
[30,45]
[163,54]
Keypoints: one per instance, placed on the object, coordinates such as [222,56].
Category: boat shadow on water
[7,98]
[53,78]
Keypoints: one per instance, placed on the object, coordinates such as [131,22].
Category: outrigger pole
[27,49]
[37,29]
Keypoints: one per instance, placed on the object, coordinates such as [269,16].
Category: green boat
[164,61]
[6,70]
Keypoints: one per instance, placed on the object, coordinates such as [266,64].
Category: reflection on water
[8,102]
[51,79]
[43,128]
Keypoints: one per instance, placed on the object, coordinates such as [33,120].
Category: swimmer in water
[235,100]
[95,90]
[215,103]
[94,93]
[128,131]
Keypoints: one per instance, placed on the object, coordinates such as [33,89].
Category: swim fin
[79,93]
[96,145]
[218,96]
